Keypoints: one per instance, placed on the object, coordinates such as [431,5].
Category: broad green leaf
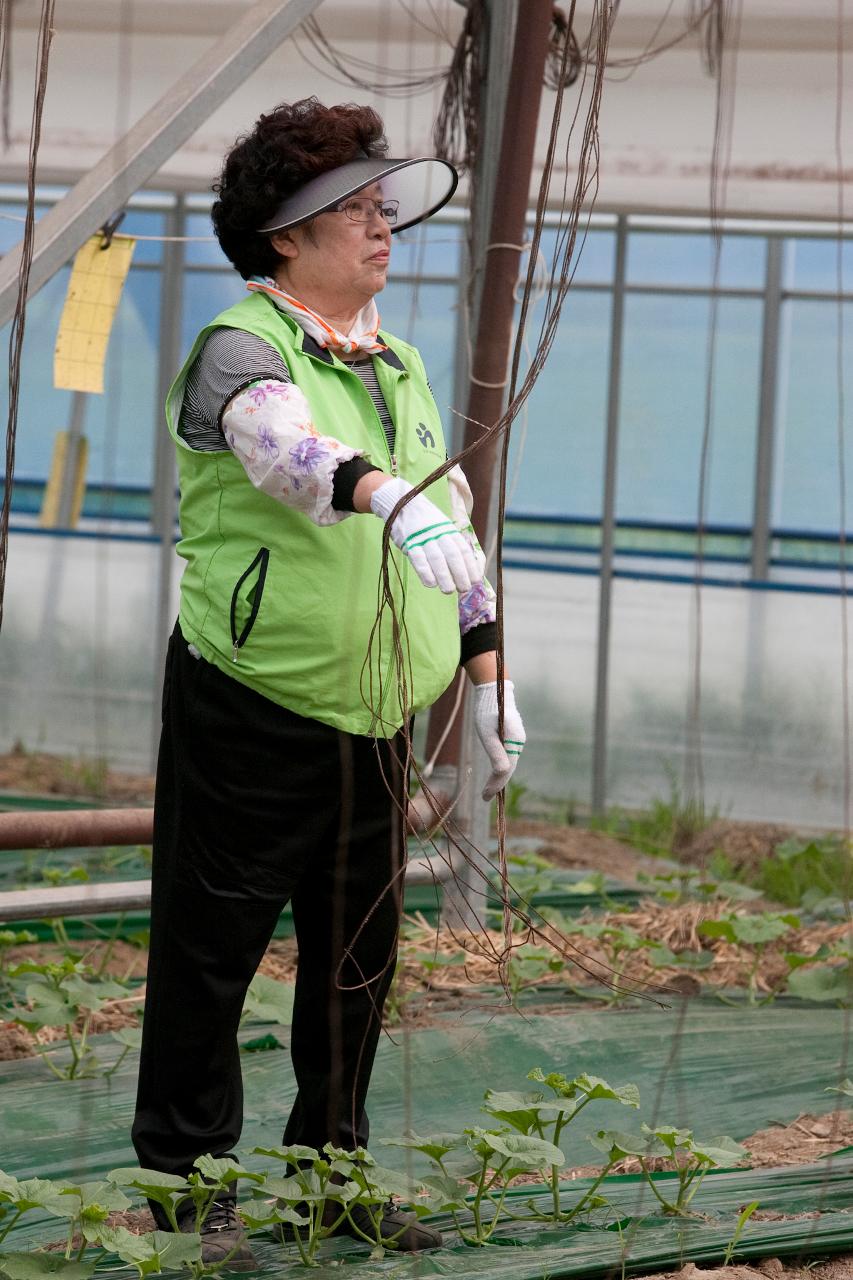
[49,1007]
[526,1152]
[717,929]
[8,1185]
[102,1195]
[597,1089]
[438,960]
[223,1171]
[513,1108]
[131,1037]
[386,1182]
[289,1189]
[292,1154]
[436,1146]
[357,1156]
[661,957]
[147,1180]
[148,1252]
[719,1151]
[35,1266]
[822,982]
[268,1000]
[445,1193]
[673,1139]
[176,1250]
[39,1193]
[845,1087]
[93,995]
[755,930]
[273,1213]
[616,1144]
[736,891]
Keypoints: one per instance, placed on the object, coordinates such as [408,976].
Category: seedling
[317,1193]
[61,995]
[754,931]
[484,1159]
[692,1159]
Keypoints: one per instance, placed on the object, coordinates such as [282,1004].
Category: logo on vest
[425,436]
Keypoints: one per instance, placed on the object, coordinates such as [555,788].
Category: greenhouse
[531,798]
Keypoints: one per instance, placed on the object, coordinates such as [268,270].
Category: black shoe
[402,1231]
[223,1240]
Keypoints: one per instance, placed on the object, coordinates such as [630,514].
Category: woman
[280,775]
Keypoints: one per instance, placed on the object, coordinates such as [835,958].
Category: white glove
[440,555]
[503,755]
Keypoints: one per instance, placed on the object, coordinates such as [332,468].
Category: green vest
[288,607]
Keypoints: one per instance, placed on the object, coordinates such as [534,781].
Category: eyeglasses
[362,209]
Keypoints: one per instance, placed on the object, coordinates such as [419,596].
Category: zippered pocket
[248,591]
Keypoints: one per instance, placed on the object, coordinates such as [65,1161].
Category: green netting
[712,1068]
[715,1069]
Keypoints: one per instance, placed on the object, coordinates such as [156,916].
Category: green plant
[528,965]
[149,1253]
[63,994]
[667,826]
[692,1159]
[754,931]
[482,1159]
[269,1000]
[316,1181]
[744,1217]
[685,884]
[550,1117]
[11,938]
[799,869]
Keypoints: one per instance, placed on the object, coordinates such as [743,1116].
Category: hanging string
[16,335]
[726,79]
[485,870]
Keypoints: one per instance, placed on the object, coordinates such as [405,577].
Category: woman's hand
[503,751]
[439,553]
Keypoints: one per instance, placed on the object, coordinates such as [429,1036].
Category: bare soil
[36,773]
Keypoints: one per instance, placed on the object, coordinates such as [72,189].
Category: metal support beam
[765,447]
[608,519]
[162,130]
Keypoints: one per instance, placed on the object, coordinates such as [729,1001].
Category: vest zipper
[260,563]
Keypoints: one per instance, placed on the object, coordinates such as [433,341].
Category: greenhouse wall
[88,609]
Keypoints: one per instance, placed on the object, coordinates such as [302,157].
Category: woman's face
[335,258]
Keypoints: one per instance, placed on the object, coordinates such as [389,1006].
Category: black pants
[256,806]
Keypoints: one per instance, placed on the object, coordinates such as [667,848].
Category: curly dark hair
[286,148]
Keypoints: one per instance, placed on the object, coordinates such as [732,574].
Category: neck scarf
[361,337]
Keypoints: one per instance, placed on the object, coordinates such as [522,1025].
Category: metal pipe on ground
[75,828]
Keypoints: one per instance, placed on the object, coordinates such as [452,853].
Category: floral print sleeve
[268,427]
[478,604]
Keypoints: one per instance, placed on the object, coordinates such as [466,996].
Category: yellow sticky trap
[60,462]
[97,279]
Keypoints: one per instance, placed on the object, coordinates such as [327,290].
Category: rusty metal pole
[75,828]
[499,262]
